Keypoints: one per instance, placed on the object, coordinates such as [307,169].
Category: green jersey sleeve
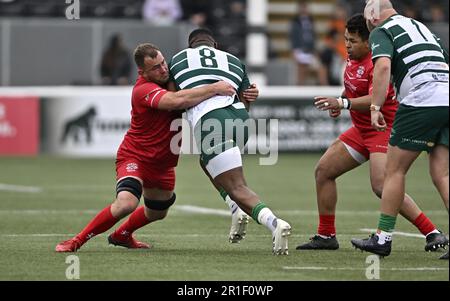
[245,81]
[381,44]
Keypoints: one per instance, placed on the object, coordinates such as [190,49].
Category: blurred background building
[39,46]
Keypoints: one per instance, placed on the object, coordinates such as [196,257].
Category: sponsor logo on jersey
[360,71]
[132,167]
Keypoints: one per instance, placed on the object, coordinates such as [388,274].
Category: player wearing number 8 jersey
[407,50]
[145,163]
[220,131]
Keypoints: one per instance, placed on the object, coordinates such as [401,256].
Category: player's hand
[378,121]
[334,113]
[326,103]
[224,88]
[251,93]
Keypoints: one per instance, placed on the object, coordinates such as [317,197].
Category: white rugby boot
[239,222]
[280,238]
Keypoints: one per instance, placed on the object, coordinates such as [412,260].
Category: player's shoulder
[180,55]
[234,59]
[145,85]
[380,32]
[388,27]
[231,55]
[146,88]
[368,62]
[362,68]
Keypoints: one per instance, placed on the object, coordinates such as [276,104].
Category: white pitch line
[395,233]
[202,210]
[362,269]
[36,235]
[20,188]
[105,234]
[155,235]
[181,208]
[211,211]
[44,211]
[222,212]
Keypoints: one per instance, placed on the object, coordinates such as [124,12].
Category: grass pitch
[53,198]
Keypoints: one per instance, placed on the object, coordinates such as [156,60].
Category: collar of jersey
[387,20]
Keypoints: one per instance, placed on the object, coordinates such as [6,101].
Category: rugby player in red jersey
[145,164]
[359,143]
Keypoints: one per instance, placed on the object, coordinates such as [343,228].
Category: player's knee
[124,205]
[377,185]
[439,178]
[378,190]
[321,173]
[159,208]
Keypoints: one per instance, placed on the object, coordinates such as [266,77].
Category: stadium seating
[12,8]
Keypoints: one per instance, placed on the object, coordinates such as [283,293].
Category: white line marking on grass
[19,188]
[36,235]
[349,212]
[157,235]
[82,187]
[395,233]
[223,212]
[105,234]
[203,210]
[153,235]
[363,269]
[43,211]
[212,211]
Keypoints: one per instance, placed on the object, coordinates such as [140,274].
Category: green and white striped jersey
[417,57]
[195,67]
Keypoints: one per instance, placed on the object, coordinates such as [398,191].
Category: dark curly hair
[201,36]
[357,24]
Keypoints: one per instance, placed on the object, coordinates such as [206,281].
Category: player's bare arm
[334,105]
[190,97]
[326,103]
[381,79]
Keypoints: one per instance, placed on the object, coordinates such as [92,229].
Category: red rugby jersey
[149,136]
[358,82]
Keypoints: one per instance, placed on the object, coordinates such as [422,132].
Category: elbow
[385,69]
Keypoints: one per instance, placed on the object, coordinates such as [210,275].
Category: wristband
[344,103]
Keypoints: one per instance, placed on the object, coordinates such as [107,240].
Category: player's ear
[140,71]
